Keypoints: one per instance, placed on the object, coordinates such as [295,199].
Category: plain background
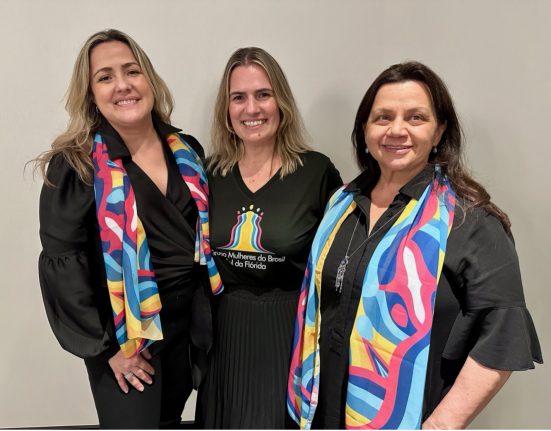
[493,54]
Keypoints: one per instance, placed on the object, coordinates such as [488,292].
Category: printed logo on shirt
[244,249]
[246,235]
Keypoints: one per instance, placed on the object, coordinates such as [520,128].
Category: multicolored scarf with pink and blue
[130,277]
[390,339]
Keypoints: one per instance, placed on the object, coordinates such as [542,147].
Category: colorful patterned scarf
[130,276]
[390,338]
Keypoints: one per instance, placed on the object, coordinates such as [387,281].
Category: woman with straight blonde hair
[268,194]
[123,214]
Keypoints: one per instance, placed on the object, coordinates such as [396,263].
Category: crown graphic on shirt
[246,234]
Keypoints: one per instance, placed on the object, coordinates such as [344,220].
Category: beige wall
[494,55]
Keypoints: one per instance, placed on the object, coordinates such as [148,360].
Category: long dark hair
[450,148]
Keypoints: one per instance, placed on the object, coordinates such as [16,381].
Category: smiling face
[253,109]
[120,89]
[402,129]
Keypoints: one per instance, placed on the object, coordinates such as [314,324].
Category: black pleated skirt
[245,386]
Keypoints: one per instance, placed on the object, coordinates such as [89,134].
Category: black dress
[74,287]
[260,243]
[479,309]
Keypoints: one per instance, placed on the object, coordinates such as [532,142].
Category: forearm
[473,389]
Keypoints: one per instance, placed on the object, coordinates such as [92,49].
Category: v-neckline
[246,189]
[167,164]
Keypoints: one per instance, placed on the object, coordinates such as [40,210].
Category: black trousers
[160,405]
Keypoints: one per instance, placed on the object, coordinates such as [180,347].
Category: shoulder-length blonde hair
[76,142]
[226,147]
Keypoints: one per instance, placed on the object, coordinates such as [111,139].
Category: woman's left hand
[133,370]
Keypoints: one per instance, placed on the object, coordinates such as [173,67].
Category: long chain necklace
[341,270]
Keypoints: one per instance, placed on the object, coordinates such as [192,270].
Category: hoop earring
[97,109]
[366,150]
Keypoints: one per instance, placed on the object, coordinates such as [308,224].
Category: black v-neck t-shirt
[261,239]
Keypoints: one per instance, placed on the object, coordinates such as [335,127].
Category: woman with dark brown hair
[412,311]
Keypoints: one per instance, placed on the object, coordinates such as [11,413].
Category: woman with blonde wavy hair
[268,194]
[123,223]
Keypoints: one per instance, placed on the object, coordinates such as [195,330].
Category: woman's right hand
[133,370]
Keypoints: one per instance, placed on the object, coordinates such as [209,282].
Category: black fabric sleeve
[494,325]
[331,181]
[72,281]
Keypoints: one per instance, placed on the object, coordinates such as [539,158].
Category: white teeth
[254,123]
[126,102]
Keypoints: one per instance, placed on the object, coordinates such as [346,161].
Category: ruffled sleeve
[70,268]
[494,326]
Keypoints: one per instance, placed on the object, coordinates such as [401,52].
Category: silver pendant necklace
[341,270]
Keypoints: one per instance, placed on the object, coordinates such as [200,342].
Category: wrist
[439,420]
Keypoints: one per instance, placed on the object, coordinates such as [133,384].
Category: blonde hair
[75,144]
[226,147]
